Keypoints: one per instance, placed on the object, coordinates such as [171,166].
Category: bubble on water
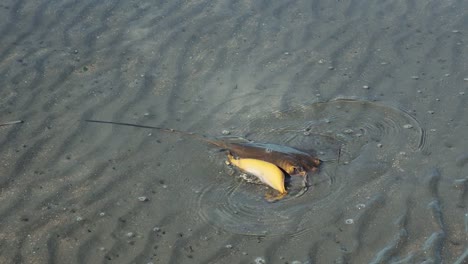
[360,206]
[260,260]
[143,199]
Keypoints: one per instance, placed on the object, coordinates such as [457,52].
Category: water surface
[384,81]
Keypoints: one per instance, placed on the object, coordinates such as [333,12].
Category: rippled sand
[377,89]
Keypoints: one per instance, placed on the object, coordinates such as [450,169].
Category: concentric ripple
[360,143]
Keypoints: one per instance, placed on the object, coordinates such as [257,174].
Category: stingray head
[301,165]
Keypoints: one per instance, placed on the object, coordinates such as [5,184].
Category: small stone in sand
[225,132]
[414,77]
[130,234]
[365,86]
[407,126]
[379,145]
[349,221]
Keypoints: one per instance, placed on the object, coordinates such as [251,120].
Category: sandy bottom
[383,81]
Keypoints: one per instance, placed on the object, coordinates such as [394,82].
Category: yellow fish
[266,172]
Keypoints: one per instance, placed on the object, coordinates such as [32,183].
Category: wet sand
[384,81]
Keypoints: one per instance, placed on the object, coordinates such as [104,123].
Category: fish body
[292,161]
[266,172]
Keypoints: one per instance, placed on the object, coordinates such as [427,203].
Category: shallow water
[377,89]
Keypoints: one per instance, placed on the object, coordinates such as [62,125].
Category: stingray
[245,155]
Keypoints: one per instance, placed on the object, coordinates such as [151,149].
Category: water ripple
[369,134]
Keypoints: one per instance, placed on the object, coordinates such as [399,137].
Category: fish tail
[12,123]
[217,143]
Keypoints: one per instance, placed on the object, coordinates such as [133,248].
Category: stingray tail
[12,123]
[215,142]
